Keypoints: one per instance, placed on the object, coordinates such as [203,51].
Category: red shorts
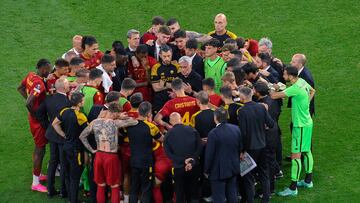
[162,165]
[125,157]
[107,168]
[38,132]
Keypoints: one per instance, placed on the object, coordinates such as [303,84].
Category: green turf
[326,31]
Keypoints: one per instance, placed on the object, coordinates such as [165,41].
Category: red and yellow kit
[92,62]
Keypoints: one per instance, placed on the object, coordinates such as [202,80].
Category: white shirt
[106,80]
[192,57]
[157,51]
[267,68]
[131,49]
[301,69]
[73,49]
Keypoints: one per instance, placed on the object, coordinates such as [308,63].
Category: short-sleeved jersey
[34,85]
[233,112]
[166,73]
[124,103]
[300,95]
[141,143]
[203,122]
[215,69]
[133,114]
[185,106]
[92,62]
[223,37]
[139,73]
[215,100]
[92,97]
[73,122]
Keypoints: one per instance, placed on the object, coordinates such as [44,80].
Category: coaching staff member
[183,146]
[222,157]
[253,119]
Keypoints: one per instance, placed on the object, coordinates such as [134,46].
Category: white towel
[106,80]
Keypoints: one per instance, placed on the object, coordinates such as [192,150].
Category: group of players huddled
[215,98]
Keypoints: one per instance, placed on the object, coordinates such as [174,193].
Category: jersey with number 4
[186,106]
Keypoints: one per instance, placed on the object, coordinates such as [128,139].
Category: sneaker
[303,184]
[288,192]
[279,175]
[208,199]
[42,177]
[39,188]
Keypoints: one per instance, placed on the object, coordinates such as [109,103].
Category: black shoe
[279,175]
[63,195]
[53,193]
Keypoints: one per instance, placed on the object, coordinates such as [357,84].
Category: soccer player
[208,85]
[106,163]
[141,74]
[269,73]
[107,66]
[174,26]
[92,95]
[197,61]
[220,33]
[185,105]
[191,79]
[69,124]
[180,41]
[77,49]
[82,77]
[46,113]
[183,146]
[156,23]
[141,161]
[215,66]
[91,54]
[33,89]
[252,74]
[127,88]
[135,100]
[301,93]
[75,64]
[61,69]
[163,36]
[162,74]
[231,107]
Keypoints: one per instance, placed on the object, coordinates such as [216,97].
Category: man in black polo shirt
[231,106]
[183,146]
[192,80]
[221,33]
[69,124]
[162,74]
[253,119]
[141,161]
[46,113]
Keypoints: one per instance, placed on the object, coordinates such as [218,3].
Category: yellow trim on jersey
[156,146]
[155,68]
[154,130]
[231,34]
[192,120]
[62,111]
[81,118]
[211,32]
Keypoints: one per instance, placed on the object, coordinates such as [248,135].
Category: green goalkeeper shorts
[301,139]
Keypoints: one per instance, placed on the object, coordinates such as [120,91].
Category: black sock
[293,185]
[308,178]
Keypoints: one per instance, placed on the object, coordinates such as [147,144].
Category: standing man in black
[192,80]
[222,157]
[183,146]
[197,61]
[253,120]
[46,113]
[69,123]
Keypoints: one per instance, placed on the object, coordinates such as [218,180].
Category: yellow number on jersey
[186,119]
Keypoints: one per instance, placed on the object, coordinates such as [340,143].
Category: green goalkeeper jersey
[215,69]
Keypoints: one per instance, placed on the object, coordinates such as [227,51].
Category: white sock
[35,180]
[126,198]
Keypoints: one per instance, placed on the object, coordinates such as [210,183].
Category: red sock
[157,194]
[100,194]
[36,171]
[115,196]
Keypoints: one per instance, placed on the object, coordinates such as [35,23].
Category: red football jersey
[185,106]
[215,100]
[139,73]
[133,114]
[50,84]
[92,62]
[34,85]
[147,36]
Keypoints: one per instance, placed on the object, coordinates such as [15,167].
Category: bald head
[175,118]
[298,61]
[76,40]
[220,23]
[62,85]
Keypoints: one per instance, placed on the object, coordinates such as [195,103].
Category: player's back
[186,106]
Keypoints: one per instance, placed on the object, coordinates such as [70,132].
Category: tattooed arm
[125,123]
[83,137]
